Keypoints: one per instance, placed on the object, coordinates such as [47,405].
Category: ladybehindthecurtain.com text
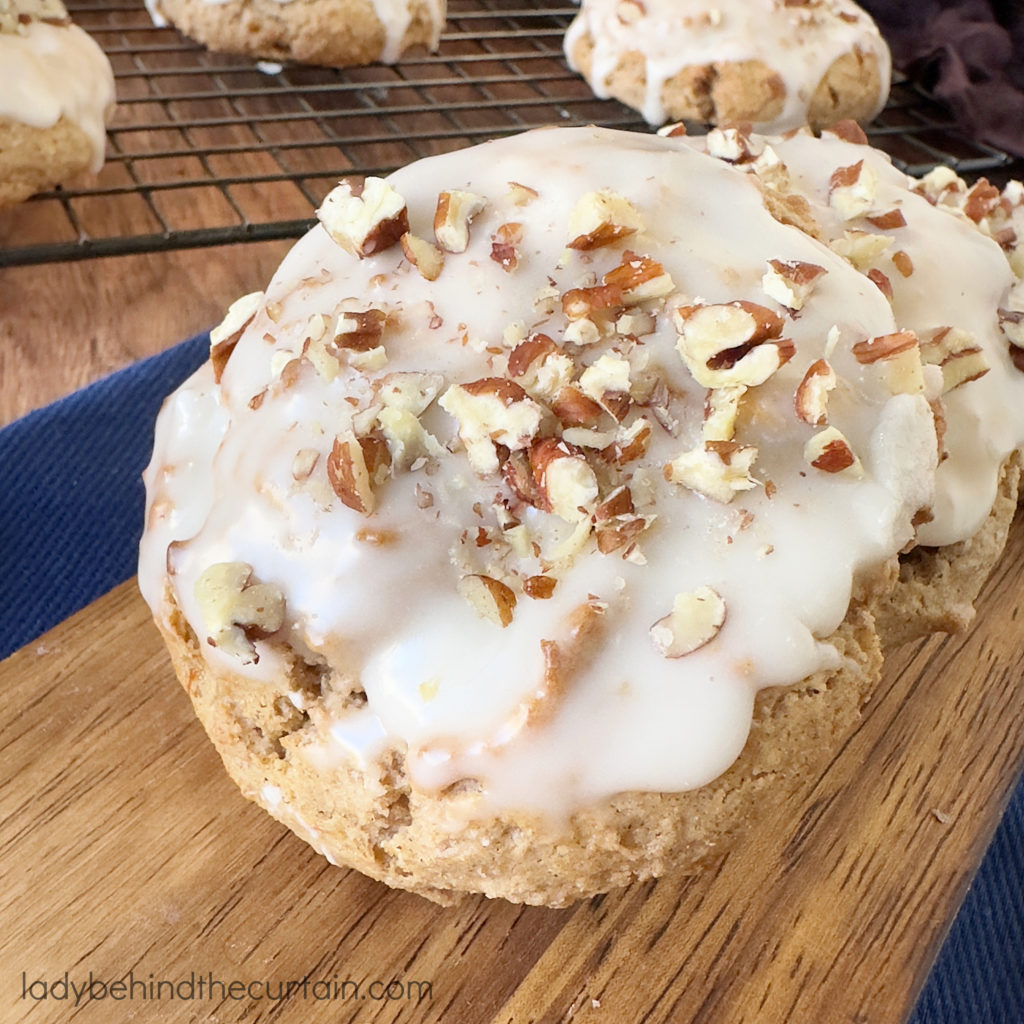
[208,988]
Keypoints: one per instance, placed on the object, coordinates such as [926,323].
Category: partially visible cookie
[941,578]
[57,95]
[938,586]
[336,33]
[778,64]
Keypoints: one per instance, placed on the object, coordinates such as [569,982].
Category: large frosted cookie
[774,63]
[524,537]
[338,33]
[56,97]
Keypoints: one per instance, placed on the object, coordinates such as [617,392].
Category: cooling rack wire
[207,149]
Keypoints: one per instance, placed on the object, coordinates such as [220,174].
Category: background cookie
[35,159]
[332,32]
[922,250]
[58,93]
[777,65]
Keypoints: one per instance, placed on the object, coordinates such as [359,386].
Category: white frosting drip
[451,688]
[55,71]
[800,43]
[156,13]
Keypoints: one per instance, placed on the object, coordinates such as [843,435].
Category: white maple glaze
[55,71]
[450,688]
[800,43]
[960,278]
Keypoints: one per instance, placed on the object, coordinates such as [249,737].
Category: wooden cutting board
[128,858]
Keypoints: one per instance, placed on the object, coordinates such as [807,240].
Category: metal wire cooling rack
[207,149]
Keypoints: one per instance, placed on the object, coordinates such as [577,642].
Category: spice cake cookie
[862,211]
[337,33]
[57,95]
[524,537]
[778,64]
[941,580]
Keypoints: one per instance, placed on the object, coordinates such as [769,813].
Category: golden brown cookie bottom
[35,159]
[720,93]
[374,820]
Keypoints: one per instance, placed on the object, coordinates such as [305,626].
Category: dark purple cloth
[969,54]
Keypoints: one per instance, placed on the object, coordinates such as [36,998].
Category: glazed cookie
[337,33]
[940,581]
[972,349]
[57,96]
[525,536]
[778,64]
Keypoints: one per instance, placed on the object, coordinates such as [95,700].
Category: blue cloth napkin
[71,510]
[71,494]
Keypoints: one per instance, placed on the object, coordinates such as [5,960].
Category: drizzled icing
[394,15]
[53,71]
[239,474]
[800,42]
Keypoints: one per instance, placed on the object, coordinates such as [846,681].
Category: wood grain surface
[63,325]
[128,858]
